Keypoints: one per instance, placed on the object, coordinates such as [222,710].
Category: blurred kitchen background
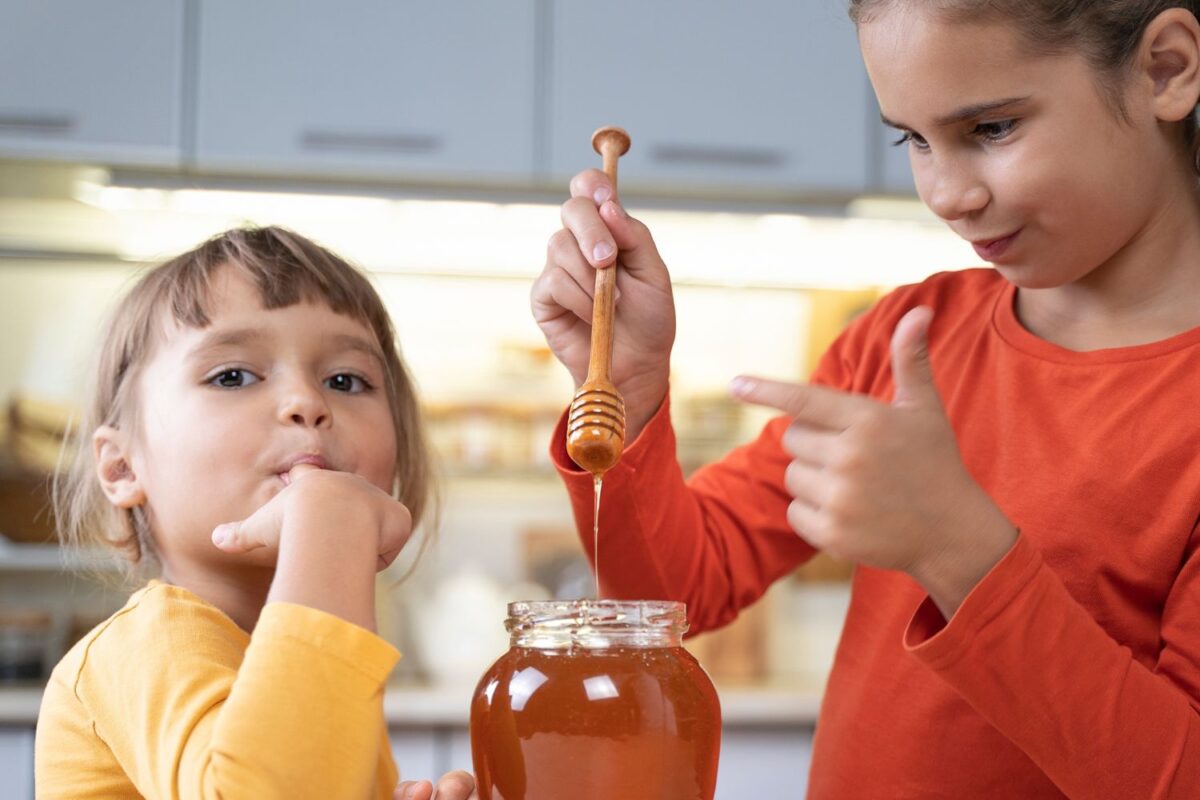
[431,143]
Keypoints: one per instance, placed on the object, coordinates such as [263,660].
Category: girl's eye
[995,131]
[912,138]
[345,382]
[232,379]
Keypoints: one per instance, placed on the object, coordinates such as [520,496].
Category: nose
[304,404]
[951,189]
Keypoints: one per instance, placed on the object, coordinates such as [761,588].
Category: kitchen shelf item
[27,557]
[25,641]
[32,432]
[595,700]
[596,420]
[25,513]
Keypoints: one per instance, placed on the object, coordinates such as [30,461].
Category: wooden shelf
[20,557]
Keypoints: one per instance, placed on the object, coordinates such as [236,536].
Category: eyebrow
[243,336]
[346,341]
[965,113]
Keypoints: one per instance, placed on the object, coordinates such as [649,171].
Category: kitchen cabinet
[769,98]
[92,81]
[764,762]
[16,763]
[765,102]
[413,90]
[895,171]
[417,752]
[891,172]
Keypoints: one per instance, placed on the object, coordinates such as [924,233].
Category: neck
[240,594]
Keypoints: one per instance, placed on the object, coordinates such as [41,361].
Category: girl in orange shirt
[1007,455]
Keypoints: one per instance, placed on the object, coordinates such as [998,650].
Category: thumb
[910,360]
[636,249]
[413,790]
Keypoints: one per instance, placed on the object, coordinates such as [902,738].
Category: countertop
[448,706]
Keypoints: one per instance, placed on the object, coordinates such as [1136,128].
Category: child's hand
[331,531]
[453,786]
[323,501]
[884,485]
[594,227]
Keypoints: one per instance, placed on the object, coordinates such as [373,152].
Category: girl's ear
[117,479]
[1171,59]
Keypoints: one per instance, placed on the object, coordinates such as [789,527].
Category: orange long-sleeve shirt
[1073,668]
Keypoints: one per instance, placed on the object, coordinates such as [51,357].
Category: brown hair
[1106,32]
[287,269]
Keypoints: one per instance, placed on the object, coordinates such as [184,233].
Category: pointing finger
[234,537]
[813,405]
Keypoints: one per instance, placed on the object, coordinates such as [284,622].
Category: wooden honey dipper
[596,421]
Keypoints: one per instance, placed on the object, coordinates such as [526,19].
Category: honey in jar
[596,700]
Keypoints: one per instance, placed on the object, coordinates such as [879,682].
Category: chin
[1026,276]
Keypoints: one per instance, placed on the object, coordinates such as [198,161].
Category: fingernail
[742,386]
[220,535]
[613,209]
[602,194]
[602,251]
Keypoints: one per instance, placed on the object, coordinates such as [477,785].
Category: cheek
[380,469]
[1075,199]
[378,460]
[193,441]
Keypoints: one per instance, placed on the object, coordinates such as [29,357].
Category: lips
[311,459]
[993,249]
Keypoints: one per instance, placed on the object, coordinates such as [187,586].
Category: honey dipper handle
[600,363]
[611,143]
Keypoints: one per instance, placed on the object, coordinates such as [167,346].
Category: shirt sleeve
[716,542]
[186,716]
[1042,671]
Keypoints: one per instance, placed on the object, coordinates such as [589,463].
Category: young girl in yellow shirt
[253,436]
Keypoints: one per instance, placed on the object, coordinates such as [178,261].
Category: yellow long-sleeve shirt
[168,698]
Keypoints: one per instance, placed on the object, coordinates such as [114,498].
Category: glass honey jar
[596,700]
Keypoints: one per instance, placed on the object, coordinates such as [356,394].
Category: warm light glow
[882,242]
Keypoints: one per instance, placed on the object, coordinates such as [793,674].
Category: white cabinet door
[415,751]
[368,88]
[763,762]
[717,95]
[16,763]
[92,81]
[458,750]
[895,171]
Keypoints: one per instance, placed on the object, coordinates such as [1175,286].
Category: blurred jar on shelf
[28,645]
[32,432]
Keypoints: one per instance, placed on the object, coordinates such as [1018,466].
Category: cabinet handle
[370,142]
[712,155]
[44,124]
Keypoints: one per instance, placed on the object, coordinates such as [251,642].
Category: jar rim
[646,613]
[596,623]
